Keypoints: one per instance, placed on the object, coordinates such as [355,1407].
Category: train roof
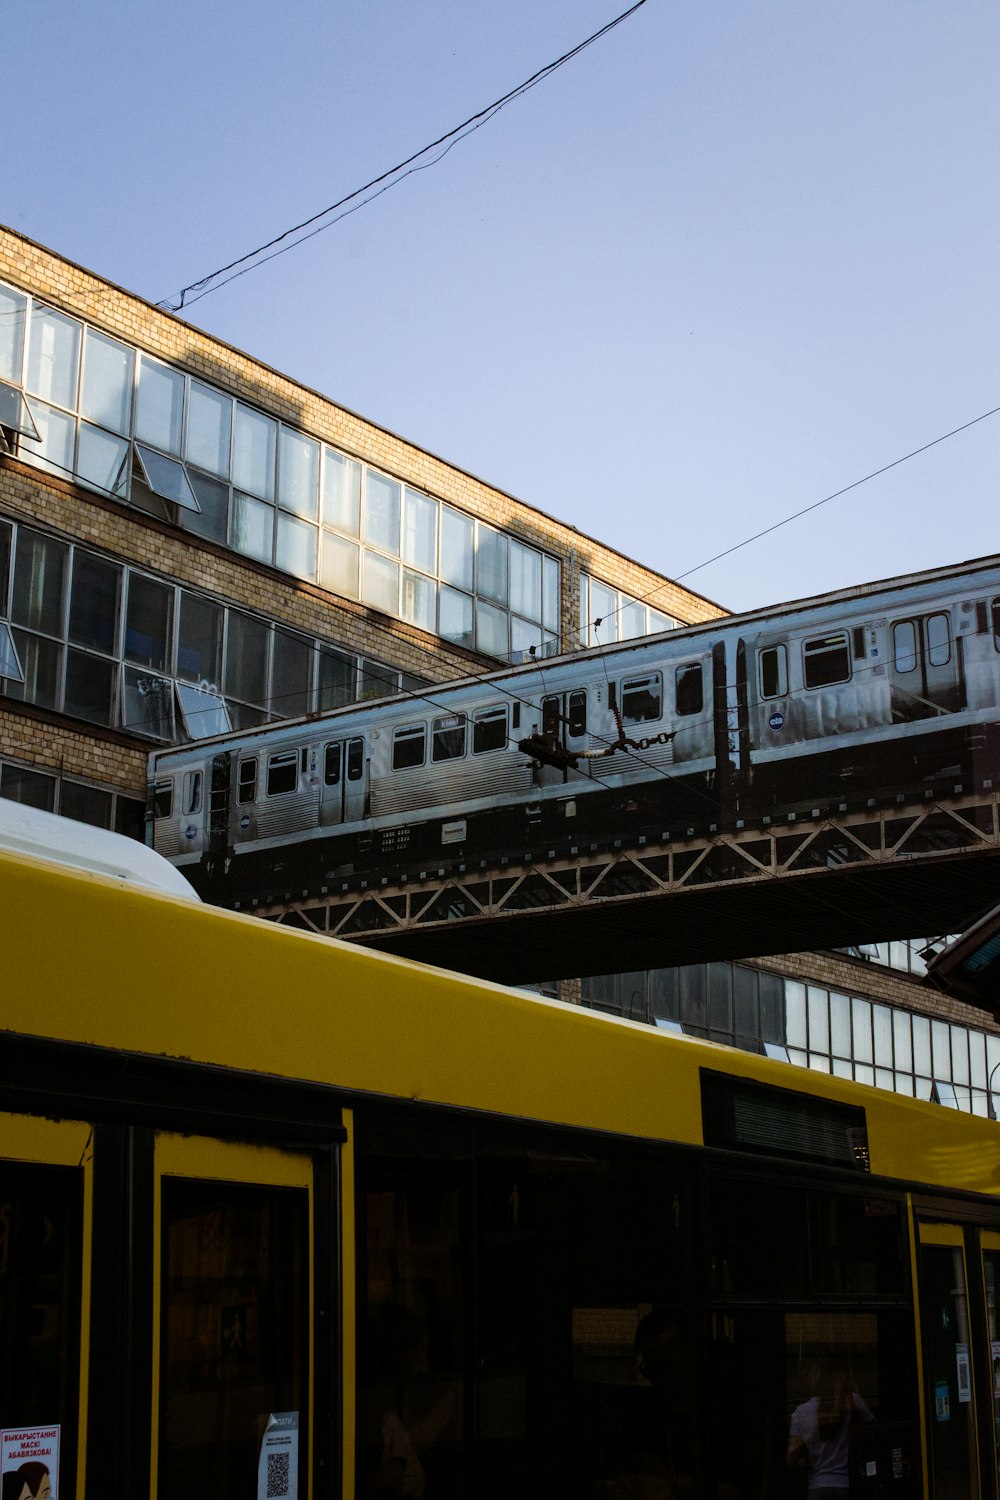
[97,962]
[712,628]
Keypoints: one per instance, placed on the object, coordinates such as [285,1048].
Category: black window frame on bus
[832,648]
[489,724]
[406,740]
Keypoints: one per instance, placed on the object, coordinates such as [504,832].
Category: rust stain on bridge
[787,886]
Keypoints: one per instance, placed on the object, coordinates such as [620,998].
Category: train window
[577,713]
[247,780]
[282,772]
[995,613]
[331,769]
[642,699]
[408,747]
[163,798]
[192,792]
[825,660]
[938,640]
[489,730]
[550,716]
[448,741]
[355,760]
[689,696]
[773,666]
[904,646]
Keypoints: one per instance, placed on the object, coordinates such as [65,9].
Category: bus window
[825,660]
[577,713]
[448,739]
[247,780]
[331,768]
[282,772]
[642,699]
[355,760]
[688,693]
[489,730]
[773,665]
[408,747]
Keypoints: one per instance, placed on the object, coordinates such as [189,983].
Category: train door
[344,793]
[925,667]
[564,727]
[46,1197]
[232,1281]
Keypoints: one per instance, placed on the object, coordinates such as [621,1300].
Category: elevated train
[888,690]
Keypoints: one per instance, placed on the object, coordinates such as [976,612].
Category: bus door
[344,793]
[925,667]
[232,1314]
[952,1355]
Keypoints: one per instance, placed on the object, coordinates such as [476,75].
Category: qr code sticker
[277,1475]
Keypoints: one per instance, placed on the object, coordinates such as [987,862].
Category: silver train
[886,691]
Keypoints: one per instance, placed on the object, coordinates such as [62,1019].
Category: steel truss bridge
[795,883]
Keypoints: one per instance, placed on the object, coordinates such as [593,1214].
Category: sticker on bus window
[963,1372]
[30,1454]
[942,1402]
[278,1469]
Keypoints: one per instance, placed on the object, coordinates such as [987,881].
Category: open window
[15,418]
[165,477]
[10,662]
[203,713]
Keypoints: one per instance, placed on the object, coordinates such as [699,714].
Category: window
[577,714]
[688,693]
[247,780]
[192,793]
[160,406]
[15,414]
[331,765]
[773,667]
[448,737]
[904,646]
[163,798]
[938,640]
[107,382]
[408,747]
[165,477]
[995,618]
[209,428]
[489,730]
[282,772]
[203,712]
[642,699]
[355,760]
[9,664]
[825,660]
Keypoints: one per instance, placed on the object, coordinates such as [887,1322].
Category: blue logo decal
[776,721]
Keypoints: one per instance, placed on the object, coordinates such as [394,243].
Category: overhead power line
[381,184]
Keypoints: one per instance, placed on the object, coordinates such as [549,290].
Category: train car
[286,1218]
[887,690]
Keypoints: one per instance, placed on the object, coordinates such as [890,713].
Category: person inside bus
[819,1438]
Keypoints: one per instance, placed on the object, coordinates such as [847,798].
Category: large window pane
[491,564]
[338,676]
[298,473]
[455,621]
[85,804]
[254,441]
[12,315]
[246,658]
[457,548]
[550,593]
[491,630]
[253,527]
[420,531]
[296,547]
[148,704]
[93,607]
[31,788]
[56,436]
[212,520]
[603,613]
[291,675]
[381,583]
[107,382]
[41,663]
[160,407]
[341,561]
[525,580]
[102,461]
[53,357]
[382,512]
[148,622]
[419,600]
[90,687]
[341,492]
[199,641]
[39,574]
[210,418]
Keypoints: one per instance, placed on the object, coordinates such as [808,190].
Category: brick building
[191,541]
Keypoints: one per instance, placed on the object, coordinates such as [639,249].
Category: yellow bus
[281,1217]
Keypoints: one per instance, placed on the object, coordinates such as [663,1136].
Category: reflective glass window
[254,446]
[861,1025]
[93,605]
[491,564]
[420,531]
[457,548]
[107,382]
[148,622]
[603,613]
[455,622]
[209,428]
[882,1017]
[773,672]
[85,804]
[295,547]
[550,593]
[840,1025]
[148,703]
[246,658]
[904,646]
[922,1046]
[102,461]
[959,1054]
[340,566]
[298,473]
[12,315]
[938,640]
[10,666]
[53,356]
[381,583]
[204,713]
[376,680]
[247,780]
[253,527]
[819,1020]
[525,580]
[492,630]
[796,1024]
[41,666]
[940,1050]
[291,675]
[825,660]
[382,512]
[631,620]
[15,416]
[166,477]
[658,621]
[56,438]
[40,566]
[282,772]
[408,747]
[641,699]
[160,406]
[341,492]
[688,691]
[332,764]
[90,687]
[448,737]
[338,675]
[524,637]
[32,788]
[212,518]
[199,640]
[419,603]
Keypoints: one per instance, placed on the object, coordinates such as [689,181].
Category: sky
[727,261]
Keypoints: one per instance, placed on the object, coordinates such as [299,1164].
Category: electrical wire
[385,180]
